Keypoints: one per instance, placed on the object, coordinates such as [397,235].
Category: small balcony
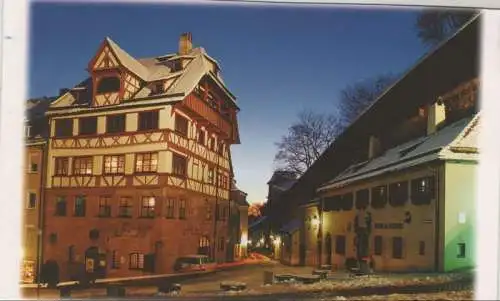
[208,115]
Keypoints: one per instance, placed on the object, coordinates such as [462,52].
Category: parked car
[194,263]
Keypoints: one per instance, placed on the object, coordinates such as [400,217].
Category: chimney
[374,147]
[63,91]
[435,116]
[185,43]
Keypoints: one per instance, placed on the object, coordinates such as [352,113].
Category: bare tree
[306,140]
[433,26]
[355,98]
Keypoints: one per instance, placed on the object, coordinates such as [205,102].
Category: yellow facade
[419,235]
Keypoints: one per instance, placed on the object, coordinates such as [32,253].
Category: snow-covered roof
[198,64]
[457,141]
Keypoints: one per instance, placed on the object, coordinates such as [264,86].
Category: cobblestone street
[339,286]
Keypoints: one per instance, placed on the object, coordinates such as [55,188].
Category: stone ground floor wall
[67,238]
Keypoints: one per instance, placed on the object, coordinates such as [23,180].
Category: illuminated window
[114,164]
[61,166]
[104,206]
[148,206]
[136,261]
[82,165]
[422,191]
[146,162]
[125,208]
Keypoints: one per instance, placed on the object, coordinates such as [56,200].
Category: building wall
[32,183]
[422,228]
[166,237]
[311,231]
[460,215]
[244,231]
[127,235]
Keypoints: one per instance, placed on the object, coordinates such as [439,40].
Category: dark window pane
[397,247]
[362,199]
[377,245]
[148,120]
[87,126]
[398,194]
[60,206]
[64,127]
[340,245]
[422,190]
[80,206]
[379,197]
[181,125]
[115,123]
[108,85]
[179,165]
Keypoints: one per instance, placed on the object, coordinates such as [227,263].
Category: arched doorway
[328,248]
[95,263]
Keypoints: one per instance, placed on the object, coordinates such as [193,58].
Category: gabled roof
[457,141]
[128,61]
[436,71]
[152,69]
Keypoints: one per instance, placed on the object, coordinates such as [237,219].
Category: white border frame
[13,63]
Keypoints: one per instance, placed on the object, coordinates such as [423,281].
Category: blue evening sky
[276,59]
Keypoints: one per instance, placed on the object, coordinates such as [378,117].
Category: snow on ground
[453,295]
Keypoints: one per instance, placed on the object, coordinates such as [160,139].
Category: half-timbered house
[139,164]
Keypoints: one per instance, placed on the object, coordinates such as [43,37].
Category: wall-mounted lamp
[315,221]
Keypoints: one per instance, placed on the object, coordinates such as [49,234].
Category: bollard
[115,291]
[268,277]
[65,292]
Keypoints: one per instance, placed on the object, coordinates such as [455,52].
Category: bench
[280,278]
[233,286]
[307,279]
[327,267]
[115,291]
[323,274]
[169,288]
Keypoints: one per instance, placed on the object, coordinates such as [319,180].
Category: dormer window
[108,84]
